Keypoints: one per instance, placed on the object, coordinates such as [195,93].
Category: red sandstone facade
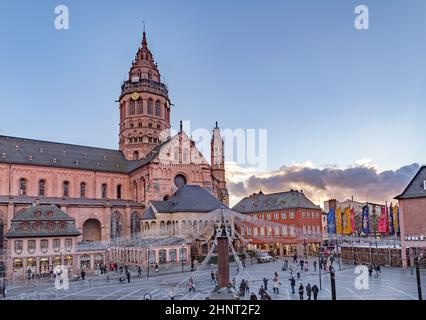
[108,202]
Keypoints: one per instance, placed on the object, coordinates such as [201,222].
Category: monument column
[223,261]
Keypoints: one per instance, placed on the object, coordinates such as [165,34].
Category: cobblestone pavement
[392,283]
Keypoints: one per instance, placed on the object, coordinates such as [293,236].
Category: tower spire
[144,42]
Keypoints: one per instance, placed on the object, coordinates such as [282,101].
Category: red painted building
[293,223]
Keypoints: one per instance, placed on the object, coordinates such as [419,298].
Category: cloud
[362,181]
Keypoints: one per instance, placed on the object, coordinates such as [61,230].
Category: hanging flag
[365,220]
[339,221]
[395,219]
[353,220]
[398,223]
[382,221]
[391,227]
[331,222]
[347,225]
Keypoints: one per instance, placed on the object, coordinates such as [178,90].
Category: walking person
[261,291]
[156,267]
[306,266]
[212,277]
[83,274]
[139,271]
[315,291]
[370,270]
[301,291]
[292,284]
[128,276]
[172,293]
[265,283]
[295,258]
[276,286]
[315,265]
[308,291]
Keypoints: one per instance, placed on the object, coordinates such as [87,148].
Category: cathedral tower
[218,165]
[144,106]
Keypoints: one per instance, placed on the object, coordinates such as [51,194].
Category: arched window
[180,181]
[150,107]
[139,106]
[23,187]
[41,188]
[82,190]
[149,75]
[135,224]
[136,155]
[157,108]
[116,222]
[66,187]
[119,191]
[132,107]
[104,191]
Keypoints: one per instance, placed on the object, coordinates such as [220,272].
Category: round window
[180,181]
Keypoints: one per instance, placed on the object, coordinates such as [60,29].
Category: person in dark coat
[261,291]
[295,258]
[265,283]
[301,291]
[315,291]
[128,276]
[315,265]
[308,291]
[83,274]
[292,284]
[253,296]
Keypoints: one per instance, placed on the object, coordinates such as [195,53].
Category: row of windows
[137,107]
[277,231]
[143,139]
[283,215]
[23,184]
[44,245]
[131,125]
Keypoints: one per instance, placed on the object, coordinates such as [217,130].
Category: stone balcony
[144,85]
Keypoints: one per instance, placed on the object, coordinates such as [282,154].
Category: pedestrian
[302,263]
[292,284]
[156,267]
[247,288]
[172,293]
[253,296]
[261,291]
[265,283]
[315,265]
[306,266]
[212,277]
[139,271]
[83,274]
[301,291]
[370,270]
[276,275]
[242,288]
[295,258]
[276,286]
[315,291]
[234,283]
[128,276]
[308,291]
[191,285]
[298,274]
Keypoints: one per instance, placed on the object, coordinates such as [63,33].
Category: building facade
[107,191]
[294,222]
[412,206]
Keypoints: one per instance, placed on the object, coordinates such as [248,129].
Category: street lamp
[319,266]
[181,256]
[333,284]
[419,284]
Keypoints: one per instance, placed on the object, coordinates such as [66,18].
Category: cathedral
[105,191]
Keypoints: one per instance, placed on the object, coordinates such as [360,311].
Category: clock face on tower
[135,96]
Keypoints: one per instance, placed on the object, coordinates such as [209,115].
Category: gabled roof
[276,201]
[189,198]
[52,154]
[416,187]
[42,221]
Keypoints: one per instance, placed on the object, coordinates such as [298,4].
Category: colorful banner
[347,225]
[391,226]
[339,221]
[331,222]
[395,219]
[365,220]
[383,221]
[353,220]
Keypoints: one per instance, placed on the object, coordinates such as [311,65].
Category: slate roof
[416,187]
[276,201]
[189,198]
[53,154]
[42,215]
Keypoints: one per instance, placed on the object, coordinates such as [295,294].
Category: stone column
[223,261]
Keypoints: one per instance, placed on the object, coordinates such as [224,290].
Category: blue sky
[325,91]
